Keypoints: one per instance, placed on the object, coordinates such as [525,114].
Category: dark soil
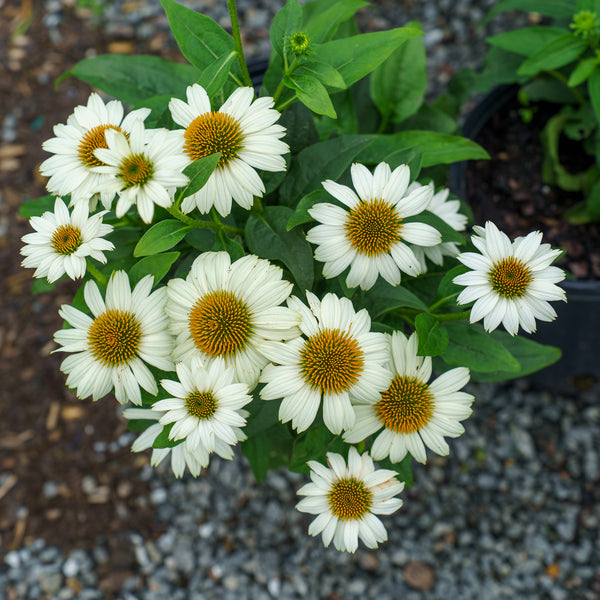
[47,434]
[508,189]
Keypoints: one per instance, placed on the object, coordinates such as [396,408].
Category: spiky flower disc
[413,412]
[346,499]
[224,309]
[511,283]
[110,349]
[370,234]
[244,131]
[71,168]
[63,240]
[337,360]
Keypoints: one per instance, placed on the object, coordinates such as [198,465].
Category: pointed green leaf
[433,336]
[311,92]
[582,71]
[134,78]
[37,207]
[356,56]
[323,17]
[383,297]
[398,85]
[300,214]
[526,41]
[160,237]
[215,76]
[269,238]
[554,55]
[157,265]
[594,92]
[198,172]
[200,39]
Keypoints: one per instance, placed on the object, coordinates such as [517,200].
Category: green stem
[563,79]
[237,38]
[281,85]
[199,224]
[460,316]
[95,273]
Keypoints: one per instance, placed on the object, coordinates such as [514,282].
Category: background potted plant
[544,171]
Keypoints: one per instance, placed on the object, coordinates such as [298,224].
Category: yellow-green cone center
[331,361]
[135,169]
[406,406]
[201,404]
[92,140]
[213,132]
[220,324]
[114,337]
[510,277]
[349,499]
[373,227]
[66,239]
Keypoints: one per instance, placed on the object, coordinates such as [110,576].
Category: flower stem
[200,224]
[235,30]
[95,273]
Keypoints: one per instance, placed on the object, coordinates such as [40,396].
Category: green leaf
[215,76]
[201,239]
[438,148]
[311,92]
[433,337]
[582,71]
[592,202]
[323,72]
[200,39]
[323,17]
[37,207]
[526,41]
[594,92]
[549,8]
[198,172]
[268,237]
[531,356]
[134,78]
[554,55]
[398,85]
[356,56]
[318,162]
[471,347]
[448,290]
[157,266]
[383,297]
[231,246]
[430,118]
[160,237]
[314,445]
[287,21]
[301,215]
[41,286]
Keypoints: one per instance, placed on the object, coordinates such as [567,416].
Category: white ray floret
[111,349]
[346,499]
[142,170]
[205,408]
[336,361]
[510,283]
[224,309]
[71,168]
[412,412]
[245,131]
[370,234]
[62,241]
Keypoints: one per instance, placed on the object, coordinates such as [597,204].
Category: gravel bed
[512,513]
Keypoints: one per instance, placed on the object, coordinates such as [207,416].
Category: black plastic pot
[576,331]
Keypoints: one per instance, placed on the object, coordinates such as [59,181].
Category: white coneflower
[511,283]
[63,240]
[339,360]
[347,499]
[70,169]
[413,412]
[206,407]
[244,130]
[448,211]
[110,349]
[181,456]
[224,309]
[370,236]
[142,171]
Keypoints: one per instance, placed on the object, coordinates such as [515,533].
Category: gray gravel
[512,513]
